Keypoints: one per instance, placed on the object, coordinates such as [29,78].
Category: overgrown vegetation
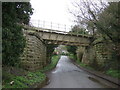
[50,50]
[113,73]
[13,42]
[72,50]
[26,81]
[13,15]
[72,56]
[101,21]
[78,30]
[54,61]
[29,80]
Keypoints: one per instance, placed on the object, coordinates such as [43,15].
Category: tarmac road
[67,75]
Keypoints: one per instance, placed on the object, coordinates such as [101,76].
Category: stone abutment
[34,55]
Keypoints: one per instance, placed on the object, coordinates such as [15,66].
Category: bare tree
[101,16]
[86,13]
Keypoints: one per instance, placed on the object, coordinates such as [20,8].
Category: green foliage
[104,21]
[16,12]
[82,64]
[113,73]
[30,79]
[50,49]
[54,62]
[6,77]
[78,30]
[113,62]
[64,54]
[85,65]
[107,23]
[72,56]
[24,81]
[72,49]
[13,42]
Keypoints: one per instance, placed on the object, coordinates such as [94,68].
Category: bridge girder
[60,38]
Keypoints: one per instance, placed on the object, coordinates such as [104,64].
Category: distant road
[67,75]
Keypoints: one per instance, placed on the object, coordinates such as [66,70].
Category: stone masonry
[34,55]
[98,53]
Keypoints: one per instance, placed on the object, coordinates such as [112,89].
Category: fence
[50,25]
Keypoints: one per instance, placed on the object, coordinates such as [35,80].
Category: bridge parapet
[38,29]
[54,27]
[59,37]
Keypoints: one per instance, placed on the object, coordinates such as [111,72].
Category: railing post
[38,22]
[71,30]
[65,28]
[58,25]
[71,27]
[51,25]
[77,32]
[43,24]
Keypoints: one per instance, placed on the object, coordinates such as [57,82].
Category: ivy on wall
[13,42]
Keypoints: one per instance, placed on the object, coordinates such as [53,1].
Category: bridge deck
[59,37]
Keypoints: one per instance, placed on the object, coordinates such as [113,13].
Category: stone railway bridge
[88,51]
[34,55]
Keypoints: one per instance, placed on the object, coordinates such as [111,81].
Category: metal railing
[54,27]
[50,25]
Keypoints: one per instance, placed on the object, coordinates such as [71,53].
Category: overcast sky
[52,10]
[55,11]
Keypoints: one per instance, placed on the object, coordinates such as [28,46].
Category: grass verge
[72,56]
[53,63]
[84,65]
[110,72]
[28,80]
[113,73]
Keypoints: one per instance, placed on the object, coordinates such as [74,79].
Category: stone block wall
[34,55]
[102,53]
[96,54]
[80,51]
[88,55]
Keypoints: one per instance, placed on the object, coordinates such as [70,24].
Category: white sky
[52,10]
[55,11]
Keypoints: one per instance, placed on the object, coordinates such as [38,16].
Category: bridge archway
[34,56]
